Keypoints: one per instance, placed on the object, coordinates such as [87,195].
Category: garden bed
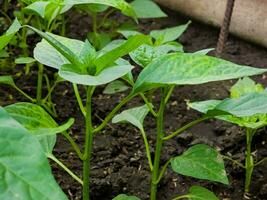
[119,163]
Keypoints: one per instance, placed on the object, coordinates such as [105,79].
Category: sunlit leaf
[115,87]
[25,172]
[201,193]
[202,162]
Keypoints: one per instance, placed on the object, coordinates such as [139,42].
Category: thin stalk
[187,126]
[39,84]
[74,145]
[234,161]
[249,159]
[88,144]
[24,94]
[149,105]
[51,89]
[94,19]
[148,153]
[74,176]
[260,162]
[183,197]
[113,112]
[79,99]
[163,170]
[159,144]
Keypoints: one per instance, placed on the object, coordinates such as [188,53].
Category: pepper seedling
[247,108]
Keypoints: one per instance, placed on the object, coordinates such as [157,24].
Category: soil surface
[119,162]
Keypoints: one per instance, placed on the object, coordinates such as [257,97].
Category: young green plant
[246,107]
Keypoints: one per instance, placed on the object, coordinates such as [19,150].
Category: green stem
[94,19]
[79,99]
[260,162]
[249,159]
[24,94]
[234,161]
[39,84]
[187,126]
[113,112]
[148,153]
[73,144]
[74,176]
[149,105]
[163,170]
[187,196]
[159,144]
[88,144]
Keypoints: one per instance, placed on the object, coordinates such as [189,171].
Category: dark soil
[119,162]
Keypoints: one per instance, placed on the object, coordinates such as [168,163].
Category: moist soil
[119,162]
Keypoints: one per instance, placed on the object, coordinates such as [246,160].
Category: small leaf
[201,193]
[38,122]
[110,57]
[115,87]
[128,33]
[7,37]
[245,86]
[24,60]
[7,80]
[202,162]
[38,8]
[134,116]
[189,69]
[125,197]
[147,9]
[72,74]
[169,34]
[204,51]
[25,172]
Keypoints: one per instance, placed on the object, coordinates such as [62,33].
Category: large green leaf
[135,116]
[122,5]
[202,162]
[7,37]
[38,122]
[189,69]
[169,34]
[147,9]
[24,169]
[46,54]
[126,47]
[72,74]
[201,193]
[125,197]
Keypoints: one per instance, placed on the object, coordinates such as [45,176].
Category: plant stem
[149,105]
[39,84]
[234,161]
[163,170]
[187,126]
[52,157]
[159,144]
[24,94]
[249,159]
[147,149]
[182,197]
[79,99]
[88,144]
[113,112]
[260,162]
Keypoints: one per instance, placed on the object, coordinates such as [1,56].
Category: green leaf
[121,5]
[204,51]
[38,8]
[134,116]
[59,46]
[110,57]
[128,33]
[24,60]
[147,9]
[38,122]
[125,197]
[169,34]
[7,37]
[115,87]
[24,169]
[202,162]
[48,55]
[72,74]
[245,86]
[201,193]
[189,69]
[145,54]
[7,80]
